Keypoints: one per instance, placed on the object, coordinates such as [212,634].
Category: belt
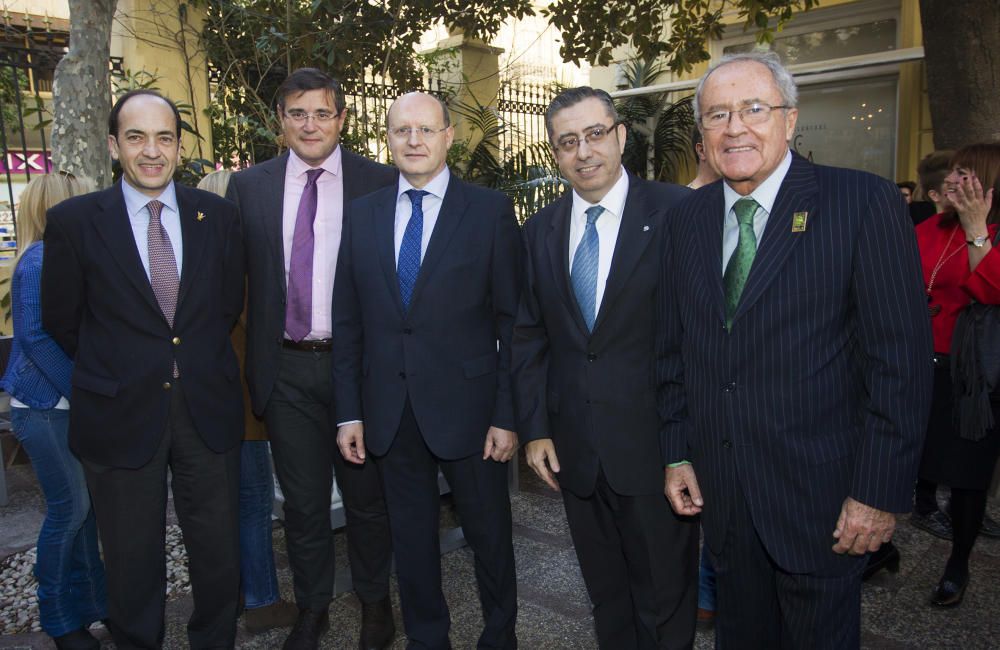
[321,345]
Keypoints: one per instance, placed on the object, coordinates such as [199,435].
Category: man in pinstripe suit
[794,374]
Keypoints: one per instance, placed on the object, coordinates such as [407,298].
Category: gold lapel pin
[799,220]
[201,216]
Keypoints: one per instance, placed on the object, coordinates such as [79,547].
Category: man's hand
[541,455]
[681,488]
[351,440]
[862,529]
[500,444]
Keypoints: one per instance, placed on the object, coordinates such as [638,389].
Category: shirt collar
[136,200]
[766,193]
[298,167]
[612,202]
[437,187]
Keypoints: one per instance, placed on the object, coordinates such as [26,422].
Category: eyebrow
[744,102]
[585,129]
[141,132]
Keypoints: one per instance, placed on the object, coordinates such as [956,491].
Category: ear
[113,147]
[622,132]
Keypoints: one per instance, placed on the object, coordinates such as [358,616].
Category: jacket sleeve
[530,356]
[234,270]
[671,394]
[348,337]
[505,292]
[63,292]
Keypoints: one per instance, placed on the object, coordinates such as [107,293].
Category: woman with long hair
[962,271]
[71,585]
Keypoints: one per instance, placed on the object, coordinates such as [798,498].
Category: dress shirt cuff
[344,424]
[678,464]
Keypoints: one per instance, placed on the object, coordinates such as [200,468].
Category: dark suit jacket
[443,352]
[99,306]
[821,389]
[594,394]
[259,192]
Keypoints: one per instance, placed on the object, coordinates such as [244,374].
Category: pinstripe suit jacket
[820,391]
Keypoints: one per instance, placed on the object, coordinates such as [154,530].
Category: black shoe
[80,639]
[989,527]
[377,627]
[308,630]
[949,593]
[936,523]
[886,557]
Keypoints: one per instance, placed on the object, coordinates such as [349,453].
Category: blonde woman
[71,585]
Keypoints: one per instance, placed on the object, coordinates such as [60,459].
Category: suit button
[727,444]
[166,385]
[407,331]
[402,375]
[728,388]
[591,357]
[176,340]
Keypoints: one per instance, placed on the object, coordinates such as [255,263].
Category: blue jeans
[71,588]
[706,582]
[257,574]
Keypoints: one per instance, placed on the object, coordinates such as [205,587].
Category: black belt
[320,345]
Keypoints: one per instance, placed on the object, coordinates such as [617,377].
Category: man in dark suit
[584,345]
[141,285]
[292,209]
[423,310]
[795,375]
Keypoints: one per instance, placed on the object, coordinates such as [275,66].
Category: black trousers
[479,490]
[130,505]
[760,606]
[640,564]
[302,428]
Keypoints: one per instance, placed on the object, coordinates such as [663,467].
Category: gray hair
[573,96]
[782,77]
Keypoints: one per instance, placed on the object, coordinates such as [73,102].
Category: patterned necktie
[298,306]
[408,265]
[162,266]
[584,271]
[739,265]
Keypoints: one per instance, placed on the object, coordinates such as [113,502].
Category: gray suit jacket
[259,192]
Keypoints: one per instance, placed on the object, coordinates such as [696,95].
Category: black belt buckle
[318,345]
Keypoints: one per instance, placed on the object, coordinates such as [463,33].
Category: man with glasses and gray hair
[584,343]
[794,367]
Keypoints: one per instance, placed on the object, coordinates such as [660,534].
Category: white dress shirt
[431,205]
[608,224]
[764,195]
[170,218]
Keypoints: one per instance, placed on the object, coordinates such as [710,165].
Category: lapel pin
[201,216]
[645,229]
[799,220]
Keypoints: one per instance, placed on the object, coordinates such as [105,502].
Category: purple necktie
[298,312]
[162,266]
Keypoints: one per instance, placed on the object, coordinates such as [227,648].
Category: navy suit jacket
[594,393]
[259,193]
[98,305]
[449,353]
[821,390]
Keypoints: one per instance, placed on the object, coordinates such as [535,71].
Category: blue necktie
[408,265]
[584,271]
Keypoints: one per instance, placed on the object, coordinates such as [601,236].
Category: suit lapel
[557,243]
[708,224]
[272,208]
[116,231]
[452,211]
[384,205]
[797,194]
[634,234]
[194,234]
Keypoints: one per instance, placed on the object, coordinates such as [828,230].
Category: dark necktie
[584,272]
[739,265]
[298,309]
[408,265]
[162,266]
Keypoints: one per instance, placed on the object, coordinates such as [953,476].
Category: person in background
[930,173]
[961,266]
[706,174]
[907,189]
[264,607]
[71,585]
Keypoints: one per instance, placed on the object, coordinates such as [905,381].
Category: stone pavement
[554,611]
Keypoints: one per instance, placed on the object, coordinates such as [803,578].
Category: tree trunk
[962,58]
[82,94]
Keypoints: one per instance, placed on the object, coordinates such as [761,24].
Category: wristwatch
[978,242]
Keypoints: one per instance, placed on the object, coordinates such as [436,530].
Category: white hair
[782,77]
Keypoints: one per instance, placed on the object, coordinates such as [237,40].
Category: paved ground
[553,605]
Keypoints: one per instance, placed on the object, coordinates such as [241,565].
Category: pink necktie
[162,266]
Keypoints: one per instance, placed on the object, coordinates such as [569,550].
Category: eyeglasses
[750,115]
[424,132]
[570,143]
[301,117]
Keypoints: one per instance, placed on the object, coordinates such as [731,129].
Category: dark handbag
[975,367]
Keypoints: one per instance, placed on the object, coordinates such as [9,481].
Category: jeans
[71,586]
[257,574]
[706,582]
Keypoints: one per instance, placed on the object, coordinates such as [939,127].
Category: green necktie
[739,265]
